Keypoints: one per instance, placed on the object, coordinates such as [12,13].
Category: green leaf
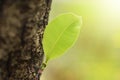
[61,34]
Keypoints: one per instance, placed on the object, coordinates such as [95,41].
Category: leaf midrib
[59,38]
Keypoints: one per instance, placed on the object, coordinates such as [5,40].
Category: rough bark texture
[22,23]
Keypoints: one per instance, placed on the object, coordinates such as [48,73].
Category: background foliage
[95,56]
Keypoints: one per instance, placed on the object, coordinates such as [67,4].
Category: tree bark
[22,24]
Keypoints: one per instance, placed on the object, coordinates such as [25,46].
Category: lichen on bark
[22,24]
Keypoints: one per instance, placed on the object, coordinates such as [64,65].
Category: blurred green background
[96,54]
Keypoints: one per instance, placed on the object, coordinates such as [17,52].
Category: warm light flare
[112,6]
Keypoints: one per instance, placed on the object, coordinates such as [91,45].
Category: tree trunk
[22,23]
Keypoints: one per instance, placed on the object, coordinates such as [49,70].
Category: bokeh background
[96,54]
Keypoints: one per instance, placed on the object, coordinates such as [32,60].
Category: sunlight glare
[112,6]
